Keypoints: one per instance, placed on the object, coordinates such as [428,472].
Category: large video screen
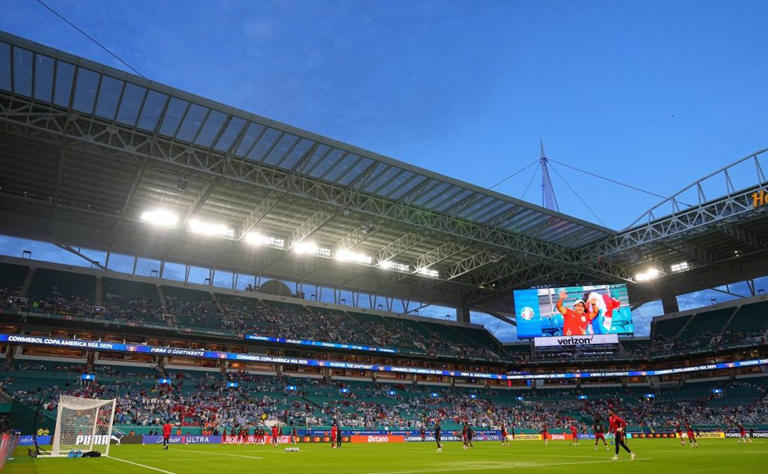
[573,311]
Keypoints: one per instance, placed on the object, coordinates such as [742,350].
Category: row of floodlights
[653,273]
[168,219]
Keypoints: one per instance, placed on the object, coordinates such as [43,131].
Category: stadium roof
[87,149]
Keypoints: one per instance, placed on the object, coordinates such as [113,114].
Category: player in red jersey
[618,427]
[504,434]
[334,434]
[599,432]
[576,320]
[691,435]
[575,435]
[743,434]
[545,434]
[166,434]
[275,435]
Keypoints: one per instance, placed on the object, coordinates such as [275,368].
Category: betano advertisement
[573,311]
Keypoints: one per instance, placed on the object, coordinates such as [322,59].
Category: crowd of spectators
[203,399]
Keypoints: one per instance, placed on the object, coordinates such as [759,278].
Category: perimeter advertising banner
[569,341]
[584,310]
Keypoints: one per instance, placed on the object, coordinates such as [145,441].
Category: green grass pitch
[656,456]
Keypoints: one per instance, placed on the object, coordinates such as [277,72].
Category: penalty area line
[140,465]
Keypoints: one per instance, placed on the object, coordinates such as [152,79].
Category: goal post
[83,424]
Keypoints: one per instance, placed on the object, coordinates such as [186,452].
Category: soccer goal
[83,424]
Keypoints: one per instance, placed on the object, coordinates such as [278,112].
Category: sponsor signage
[568,341]
[378,439]
[220,355]
[29,440]
[330,345]
[183,439]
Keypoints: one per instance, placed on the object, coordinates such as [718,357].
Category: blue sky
[653,93]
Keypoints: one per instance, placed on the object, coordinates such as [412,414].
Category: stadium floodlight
[649,274]
[214,229]
[345,255]
[160,218]
[390,265]
[428,272]
[257,238]
[679,267]
[303,248]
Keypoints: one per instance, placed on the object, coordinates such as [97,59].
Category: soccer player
[617,426]
[691,435]
[751,434]
[504,440]
[294,435]
[512,432]
[338,436]
[743,434]
[470,435]
[599,432]
[166,434]
[680,433]
[423,433]
[465,434]
[576,320]
[438,436]
[545,434]
[334,431]
[575,435]
[275,435]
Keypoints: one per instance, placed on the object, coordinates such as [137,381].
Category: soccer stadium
[244,295]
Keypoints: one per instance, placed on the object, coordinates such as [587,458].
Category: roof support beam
[471,263]
[399,245]
[309,226]
[257,214]
[438,254]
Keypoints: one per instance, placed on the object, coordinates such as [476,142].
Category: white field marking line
[213,453]
[485,467]
[140,465]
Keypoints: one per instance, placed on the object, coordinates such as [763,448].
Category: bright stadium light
[428,272]
[344,255]
[160,218]
[679,267]
[215,229]
[390,265]
[257,239]
[311,248]
[650,274]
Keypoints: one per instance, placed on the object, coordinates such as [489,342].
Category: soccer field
[653,456]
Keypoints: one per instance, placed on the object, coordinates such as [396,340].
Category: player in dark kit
[617,426]
[470,435]
[166,434]
[599,432]
[438,437]
[423,433]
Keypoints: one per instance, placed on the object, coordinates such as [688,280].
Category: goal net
[83,424]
